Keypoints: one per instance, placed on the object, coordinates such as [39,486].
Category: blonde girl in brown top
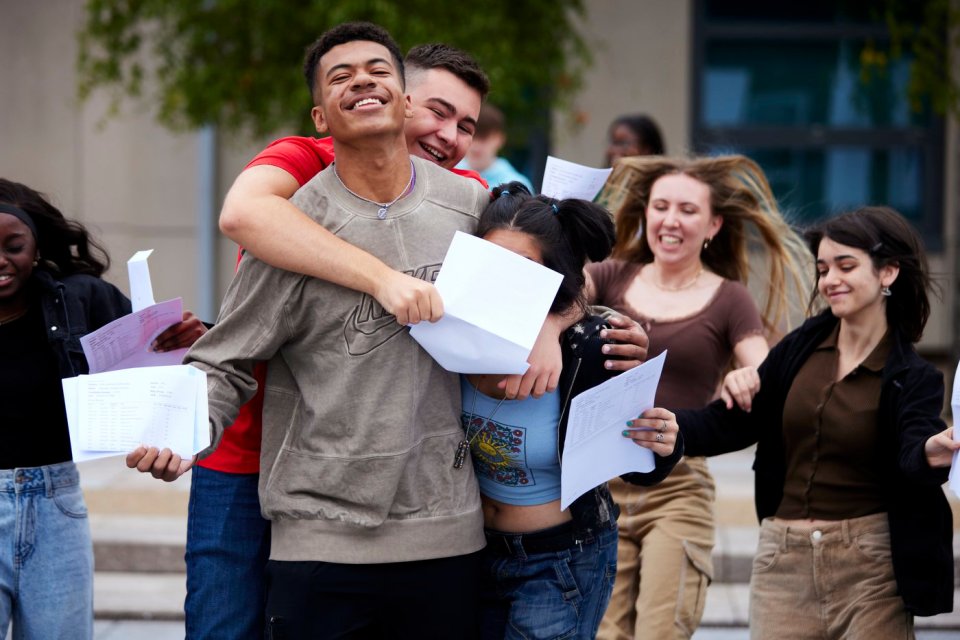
[681,264]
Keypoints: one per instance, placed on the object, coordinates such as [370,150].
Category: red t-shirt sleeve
[301,157]
[469,173]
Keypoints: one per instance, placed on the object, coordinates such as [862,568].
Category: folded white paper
[494,303]
[594,449]
[114,412]
[954,481]
[141,288]
[565,179]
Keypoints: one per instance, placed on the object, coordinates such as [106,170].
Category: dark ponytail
[568,232]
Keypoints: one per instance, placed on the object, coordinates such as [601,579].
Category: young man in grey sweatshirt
[372,527]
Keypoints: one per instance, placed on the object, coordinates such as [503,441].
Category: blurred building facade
[780,83]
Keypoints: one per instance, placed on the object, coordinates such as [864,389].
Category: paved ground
[139,528]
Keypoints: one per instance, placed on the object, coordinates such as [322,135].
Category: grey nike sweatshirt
[360,425]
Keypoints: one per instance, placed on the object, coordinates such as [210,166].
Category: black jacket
[911,399]
[73,307]
[583,369]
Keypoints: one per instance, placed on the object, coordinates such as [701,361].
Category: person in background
[633,135]
[51,295]
[547,572]
[680,268]
[855,533]
[483,154]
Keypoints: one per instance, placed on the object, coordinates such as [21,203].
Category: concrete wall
[641,64]
[133,182]
[137,184]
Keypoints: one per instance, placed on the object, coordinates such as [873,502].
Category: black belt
[550,540]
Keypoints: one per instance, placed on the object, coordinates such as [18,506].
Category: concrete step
[139,596]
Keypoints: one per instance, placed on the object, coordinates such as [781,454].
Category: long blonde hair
[741,195]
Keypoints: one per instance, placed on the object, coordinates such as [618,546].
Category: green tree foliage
[926,31]
[237,63]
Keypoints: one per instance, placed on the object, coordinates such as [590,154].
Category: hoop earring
[885,292]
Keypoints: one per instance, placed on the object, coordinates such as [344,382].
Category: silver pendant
[382,213]
[461,455]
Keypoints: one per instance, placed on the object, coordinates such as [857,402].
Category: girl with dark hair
[634,135]
[548,573]
[851,450]
[51,294]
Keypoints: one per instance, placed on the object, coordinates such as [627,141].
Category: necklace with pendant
[464,445]
[384,206]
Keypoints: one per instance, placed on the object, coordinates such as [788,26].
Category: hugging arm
[258,215]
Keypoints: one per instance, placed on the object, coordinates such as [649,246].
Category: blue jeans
[46,556]
[228,544]
[559,594]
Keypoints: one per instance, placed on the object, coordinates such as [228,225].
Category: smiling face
[18,251]
[445,111]
[624,142]
[848,281]
[679,218]
[359,92]
[519,242]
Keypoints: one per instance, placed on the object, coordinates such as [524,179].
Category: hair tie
[22,216]
[555,210]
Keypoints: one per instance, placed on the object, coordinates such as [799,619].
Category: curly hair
[65,246]
[343,34]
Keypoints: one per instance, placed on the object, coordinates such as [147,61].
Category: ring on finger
[659,437]
[663,427]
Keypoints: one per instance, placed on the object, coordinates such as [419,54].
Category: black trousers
[421,599]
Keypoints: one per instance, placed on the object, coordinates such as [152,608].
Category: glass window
[783,84]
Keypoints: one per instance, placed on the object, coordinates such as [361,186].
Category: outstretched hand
[162,465]
[740,386]
[940,447]
[656,429]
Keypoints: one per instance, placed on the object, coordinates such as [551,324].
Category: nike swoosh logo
[370,326]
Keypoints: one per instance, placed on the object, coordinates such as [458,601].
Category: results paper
[594,449]
[494,303]
[114,412]
[125,342]
[954,480]
[133,395]
[565,179]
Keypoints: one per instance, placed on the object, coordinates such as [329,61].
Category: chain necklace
[384,206]
[464,445]
[682,287]
[15,316]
